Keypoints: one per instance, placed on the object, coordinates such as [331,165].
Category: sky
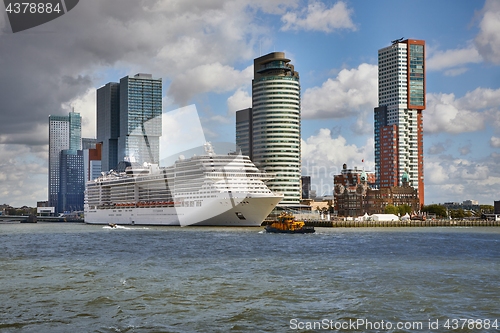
[204,51]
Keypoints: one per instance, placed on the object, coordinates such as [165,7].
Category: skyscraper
[398,117]
[275,124]
[72,182]
[94,165]
[58,140]
[65,133]
[140,119]
[89,143]
[92,151]
[129,120]
[75,131]
[108,123]
[306,186]
[244,131]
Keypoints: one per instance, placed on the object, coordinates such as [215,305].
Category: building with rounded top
[276,124]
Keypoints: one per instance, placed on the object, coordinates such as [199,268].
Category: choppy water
[82,278]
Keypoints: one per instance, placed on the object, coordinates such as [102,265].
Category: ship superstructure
[210,189]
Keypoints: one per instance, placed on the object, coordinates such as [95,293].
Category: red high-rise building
[398,118]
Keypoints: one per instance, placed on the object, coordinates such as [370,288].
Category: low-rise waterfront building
[465,205]
[356,196]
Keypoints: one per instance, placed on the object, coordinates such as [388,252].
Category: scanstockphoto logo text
[26,14]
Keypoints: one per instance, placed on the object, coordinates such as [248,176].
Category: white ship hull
[211,189]
[238,212]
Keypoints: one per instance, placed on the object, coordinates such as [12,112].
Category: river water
[69,277]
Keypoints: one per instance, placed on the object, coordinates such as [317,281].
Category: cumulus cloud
[241,99]
[481,98]
[363,124]
[488,39]
[485,46]
[85,104]
[204,78]
[440,60]
[22,166]
[277,7]
[317,17]
[38,132]
[184,130]
[465,150]
[435,173]
[444,113]
[454,178]
[334,150]
[350,92]
[470,113]
[494,118]
[324,155]
[59,61]
[437,148]
[495,142]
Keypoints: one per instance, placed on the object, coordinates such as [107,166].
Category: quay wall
[414,223]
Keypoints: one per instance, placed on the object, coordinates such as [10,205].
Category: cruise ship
[205,190]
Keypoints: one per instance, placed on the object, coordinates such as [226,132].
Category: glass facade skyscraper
[398,118]
[65,132]
[244,131]
[108,123]
[72,181]
[58,140]
[140,119]
[75,131]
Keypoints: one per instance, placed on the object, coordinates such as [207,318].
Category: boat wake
[116,226]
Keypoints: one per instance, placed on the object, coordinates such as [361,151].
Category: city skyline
[203,53]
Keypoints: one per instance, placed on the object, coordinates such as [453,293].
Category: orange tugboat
[286,224]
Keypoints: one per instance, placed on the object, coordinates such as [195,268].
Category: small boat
[286,224]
